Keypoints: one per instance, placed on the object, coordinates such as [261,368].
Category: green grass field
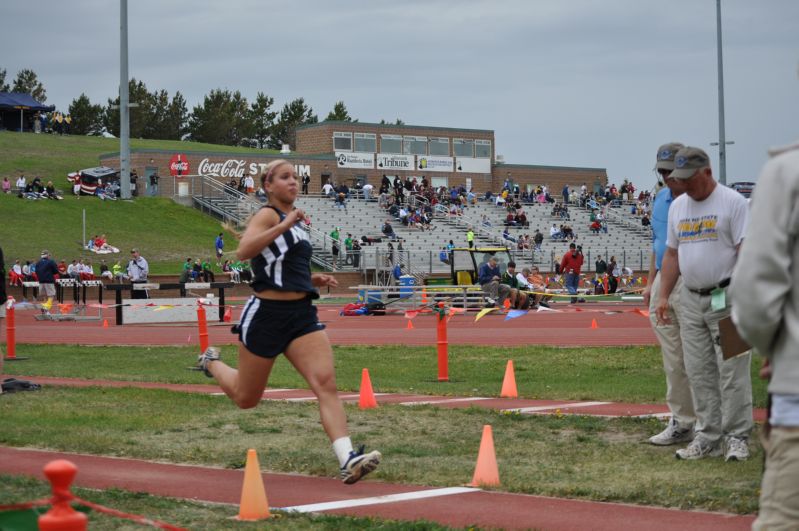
[566,456]
[52,157]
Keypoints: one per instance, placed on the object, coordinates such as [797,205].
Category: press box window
[391,144]
[365,142]
[482,149]
[439,147]
[342,141]
[414,145]
[463,147]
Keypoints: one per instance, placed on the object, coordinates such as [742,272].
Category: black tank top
[285,264]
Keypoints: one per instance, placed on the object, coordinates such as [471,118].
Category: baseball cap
[687,161]
[665,156]
[45,253]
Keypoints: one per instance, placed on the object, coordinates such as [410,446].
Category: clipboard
[732,344]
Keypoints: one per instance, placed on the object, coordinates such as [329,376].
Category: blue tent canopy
[17,100]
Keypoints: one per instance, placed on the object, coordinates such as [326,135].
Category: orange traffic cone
[105,323]
[506,304]
[594,324]
[228,315]
[410,325]
[424,296]
[509,383]
[254,505]
[486,473]
[367,398]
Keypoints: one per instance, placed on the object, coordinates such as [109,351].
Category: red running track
[460,507]
[570,325]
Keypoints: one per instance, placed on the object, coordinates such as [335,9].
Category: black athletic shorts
[268,326]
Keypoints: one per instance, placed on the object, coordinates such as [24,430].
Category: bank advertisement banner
[433,163]
[365,161]
[469,165]
[395,162]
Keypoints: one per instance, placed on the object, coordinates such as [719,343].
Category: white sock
[342,446]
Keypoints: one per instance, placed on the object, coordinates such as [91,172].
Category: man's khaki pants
[722,389]
[678,389]
[779,495]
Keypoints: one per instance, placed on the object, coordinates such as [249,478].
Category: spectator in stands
[341,201]
[614,272]
[367,191]
[595,227]
[306,180]
[507,237]
[355,252]
[105,272]
[328,190]
[518,299]
[489,278]
[555,233]
[185,273]
[388,230]
[196,270]
[570,265]
[118,271]
[539,285]
[15,277]
[565,194]
[470,237]
[601,267]
[227,267]
[46,270]
[538,239]
[207,272]
[348,242]
[645,221]
[443,255]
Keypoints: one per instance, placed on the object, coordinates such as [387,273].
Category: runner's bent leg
[244,385]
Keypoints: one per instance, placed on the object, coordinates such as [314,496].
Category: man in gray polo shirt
[705,230]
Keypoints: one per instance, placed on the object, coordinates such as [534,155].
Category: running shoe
[698,450]
[673,434]
[358,465]
[210,354]
[737,449]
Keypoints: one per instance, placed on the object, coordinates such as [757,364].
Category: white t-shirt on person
[706,234]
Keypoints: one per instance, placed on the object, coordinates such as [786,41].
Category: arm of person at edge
[670,272]
[647,293]
[763,278]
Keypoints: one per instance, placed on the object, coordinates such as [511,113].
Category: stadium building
[355,152]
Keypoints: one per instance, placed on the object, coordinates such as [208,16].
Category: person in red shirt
[570,266]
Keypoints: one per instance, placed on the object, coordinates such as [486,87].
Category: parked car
[744,188]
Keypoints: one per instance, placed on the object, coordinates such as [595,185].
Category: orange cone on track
[506,304]
[594,324]
[509,383]
[367,398]
[254,505]
[105,323]
[486,473]
[410,325]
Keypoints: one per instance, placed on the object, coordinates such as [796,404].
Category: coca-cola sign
[227,169]
[178,165]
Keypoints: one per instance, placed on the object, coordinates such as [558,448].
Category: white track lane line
[553,407]
[444,401]
[376,500]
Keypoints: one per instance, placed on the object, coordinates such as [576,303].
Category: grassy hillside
[165,232]
[52,157]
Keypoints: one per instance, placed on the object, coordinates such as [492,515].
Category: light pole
[722,143]
[722,160]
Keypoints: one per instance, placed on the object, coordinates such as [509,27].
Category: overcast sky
[561,82]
